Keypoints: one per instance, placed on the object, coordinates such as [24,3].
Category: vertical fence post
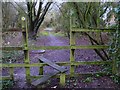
[11,72]
[41,69]
[72,51]
[62,79]
[72,43]
[26,51]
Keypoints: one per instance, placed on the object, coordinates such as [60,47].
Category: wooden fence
[72,62]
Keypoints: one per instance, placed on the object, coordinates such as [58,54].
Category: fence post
[72,51]
[11,73]
[62,79]
[41,68]
[72,43]
[26,51]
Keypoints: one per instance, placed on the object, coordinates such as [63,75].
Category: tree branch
[104,11]
[98,52]
[41,17]
[38,13]
[93,40]
[21,8]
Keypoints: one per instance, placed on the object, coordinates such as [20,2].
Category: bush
[9,56]
[7,84]
[115,48]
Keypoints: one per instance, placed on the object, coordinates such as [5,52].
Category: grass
[45,33]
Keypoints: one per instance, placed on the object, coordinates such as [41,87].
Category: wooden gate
[44,62]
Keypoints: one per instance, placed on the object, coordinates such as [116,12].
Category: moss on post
[41,69]
[26,51]
[11,73]
[62,79]
[72,57]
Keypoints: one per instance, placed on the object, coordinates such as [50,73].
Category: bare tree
[35,13]
[36,17]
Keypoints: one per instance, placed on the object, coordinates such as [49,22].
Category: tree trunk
[40,20]
[36,19]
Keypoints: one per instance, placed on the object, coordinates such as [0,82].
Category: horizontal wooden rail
[12,30]
[49,47]
[58,75]
[69,47]
[90,30]
[59,63]
[5,77]
[91,63]
[90,47]
[73,29]
[11,48]
[74,75]
[55,47]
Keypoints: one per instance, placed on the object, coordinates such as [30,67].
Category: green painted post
[72,57]
[41,69]
[26,51]
[62,79]
[72,43]
[11,73]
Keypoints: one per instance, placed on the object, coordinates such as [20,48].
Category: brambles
[9,57]
[7,84]
[115,48]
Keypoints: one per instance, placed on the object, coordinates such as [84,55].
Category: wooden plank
[72,59]
[12,30]
[41,69]
[37,52]
[91,30]
[40,81]
[55,47]
[69,47]
[72,50]
[49,47]
[26,51]
[59,63]
[62,79]
[11,48]
[90,47]
[5,78]
[11,72]
[55,66]
[74,75]
[44,79]
[91,62]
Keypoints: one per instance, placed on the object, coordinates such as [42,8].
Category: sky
[66,0]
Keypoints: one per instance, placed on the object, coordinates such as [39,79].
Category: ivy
[114,48]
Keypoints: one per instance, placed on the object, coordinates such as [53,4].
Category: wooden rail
[59,63]
[91,30]
[54,47]
[12,30]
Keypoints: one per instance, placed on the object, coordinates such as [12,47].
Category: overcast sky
[67,0]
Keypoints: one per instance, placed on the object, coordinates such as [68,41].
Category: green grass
[58,34]
[45,33]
